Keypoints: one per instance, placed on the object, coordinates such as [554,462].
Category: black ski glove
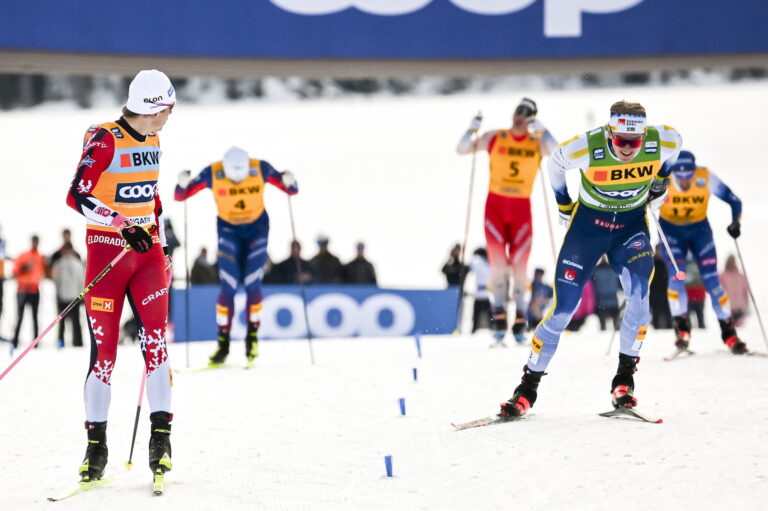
[734,229]
[137,237]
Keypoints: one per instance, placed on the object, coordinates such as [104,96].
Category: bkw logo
[562,18]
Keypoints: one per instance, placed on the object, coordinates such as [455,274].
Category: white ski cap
[236,164]
[150,92]
[627,123]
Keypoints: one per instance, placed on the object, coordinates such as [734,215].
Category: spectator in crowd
[68,273]
[359,270]
[286,272]
[606,285]
[66,241]
[170,236]
[453,269]
[203,272]
[661,316]
[585,309]
[328,267]
[481,309]
[541,296]
[29,270]
[736,286]
[697,293]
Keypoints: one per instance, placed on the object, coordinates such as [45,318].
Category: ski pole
[186,284]
[129,463]
[301,283]
[67,310]
[680,275]
[751,296]
[462,273]
[549,218]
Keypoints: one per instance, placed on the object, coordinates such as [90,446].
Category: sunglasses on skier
[634,143]
[525,111]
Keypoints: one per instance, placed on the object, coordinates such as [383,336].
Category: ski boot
[682,326]
[251,343]
[518,328]
[222,350]
[160,442]
[728,333]
[95,460]
[524,397]
[623,384]
[498,326]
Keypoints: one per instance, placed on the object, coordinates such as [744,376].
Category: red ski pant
[141,279]
[508,235]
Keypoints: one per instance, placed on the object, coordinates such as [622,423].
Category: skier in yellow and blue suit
[237,183]
[621,174]
[684,221]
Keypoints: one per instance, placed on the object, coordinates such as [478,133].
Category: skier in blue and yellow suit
[237,183]
[684,221]
[621,174]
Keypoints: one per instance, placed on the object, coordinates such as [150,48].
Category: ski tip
[658,421]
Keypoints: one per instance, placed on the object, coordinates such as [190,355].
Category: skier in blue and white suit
[684,221]
[621,174]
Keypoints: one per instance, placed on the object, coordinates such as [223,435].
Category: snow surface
[288,435]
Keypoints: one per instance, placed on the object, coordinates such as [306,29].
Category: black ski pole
[751,296]
[129,463]
[302,291]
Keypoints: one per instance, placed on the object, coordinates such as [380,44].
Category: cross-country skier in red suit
[115,188]
[515,156]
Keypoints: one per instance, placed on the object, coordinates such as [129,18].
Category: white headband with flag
[627,123]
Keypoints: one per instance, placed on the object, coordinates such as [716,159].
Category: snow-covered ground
[288,435]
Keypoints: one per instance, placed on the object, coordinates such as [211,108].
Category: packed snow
[291,435]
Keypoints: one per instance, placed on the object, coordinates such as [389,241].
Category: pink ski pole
[66,311]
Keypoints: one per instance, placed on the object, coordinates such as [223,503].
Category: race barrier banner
[389,29]
[334,311]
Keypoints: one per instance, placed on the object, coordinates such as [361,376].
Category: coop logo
[102,304]
[135,192]
[620,194]
[283,316]
[562,18]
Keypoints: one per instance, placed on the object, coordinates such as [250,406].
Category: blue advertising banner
[388,29]
[333,311]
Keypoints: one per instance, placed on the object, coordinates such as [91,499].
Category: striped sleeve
[97,155]
[200,182]
[275,178]
[571,154]
[722,192]
[671,143]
